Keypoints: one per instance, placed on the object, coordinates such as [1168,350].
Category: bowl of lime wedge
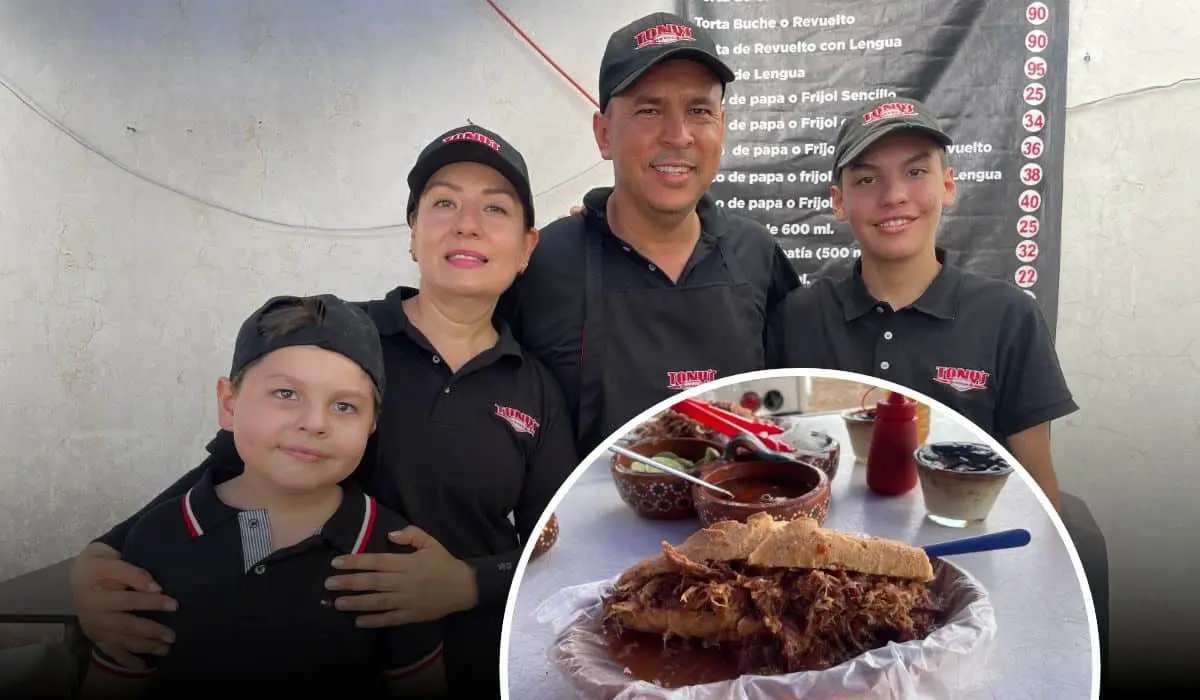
[655,494]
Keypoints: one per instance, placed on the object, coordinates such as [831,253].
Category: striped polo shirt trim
[116,669]
[255,528]
[189,516]
[368,524]
[417,666]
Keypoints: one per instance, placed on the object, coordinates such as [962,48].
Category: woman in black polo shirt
[471,429]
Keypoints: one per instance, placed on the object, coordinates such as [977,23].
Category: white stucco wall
[207,155]
[1129,328]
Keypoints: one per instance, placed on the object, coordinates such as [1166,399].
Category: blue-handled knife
[1005,539]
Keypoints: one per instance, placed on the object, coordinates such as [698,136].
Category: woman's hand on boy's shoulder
[426,583]
[107,592]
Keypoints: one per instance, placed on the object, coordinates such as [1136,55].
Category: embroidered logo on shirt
[961,379]
[520,422]
[690,379]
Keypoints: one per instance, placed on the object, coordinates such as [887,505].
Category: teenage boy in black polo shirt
[247,558]
[978,345]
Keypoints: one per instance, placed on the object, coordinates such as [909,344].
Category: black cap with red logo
[639,46]
[874,121]
[338,326]
[471,144]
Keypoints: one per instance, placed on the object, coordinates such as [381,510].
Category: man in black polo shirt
[978,345]
[246,559]
[653,288]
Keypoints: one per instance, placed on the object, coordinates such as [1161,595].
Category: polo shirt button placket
[887,335]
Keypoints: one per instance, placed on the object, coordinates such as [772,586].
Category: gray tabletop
[42,596]
[1042,648]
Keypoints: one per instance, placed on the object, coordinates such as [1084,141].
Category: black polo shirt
[250,618]
[545,306]
[458,452]
[455,454]
[978,345]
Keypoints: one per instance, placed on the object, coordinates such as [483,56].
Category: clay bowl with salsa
[658,495]
[783,485]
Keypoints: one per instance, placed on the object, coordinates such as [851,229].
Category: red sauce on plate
[644,658]
[760,489]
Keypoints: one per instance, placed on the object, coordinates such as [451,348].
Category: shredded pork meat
[670,424]
[784,620]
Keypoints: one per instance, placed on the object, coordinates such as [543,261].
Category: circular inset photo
[856,540]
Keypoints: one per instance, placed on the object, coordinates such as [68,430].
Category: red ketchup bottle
[891,467]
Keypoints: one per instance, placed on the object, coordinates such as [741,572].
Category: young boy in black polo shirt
[247,558]
[981,346]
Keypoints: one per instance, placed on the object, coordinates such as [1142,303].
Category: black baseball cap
[471,144]
[644,43]
[874,121]
[343,328]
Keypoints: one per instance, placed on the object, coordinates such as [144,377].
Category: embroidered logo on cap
[891,110]
[519,421]
[690,379]
[662,34]
[961,379]
[473,136]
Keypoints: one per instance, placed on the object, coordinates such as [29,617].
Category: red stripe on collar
[189,516]
[368,524]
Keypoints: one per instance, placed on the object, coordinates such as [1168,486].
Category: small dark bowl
[966,496]
[812,485]
[659,495]
[828,458]
[860,423]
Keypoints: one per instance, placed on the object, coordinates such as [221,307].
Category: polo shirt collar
[713,223]
[940,299]
[390,320]
[348,529]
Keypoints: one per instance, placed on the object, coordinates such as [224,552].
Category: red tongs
[731,424]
